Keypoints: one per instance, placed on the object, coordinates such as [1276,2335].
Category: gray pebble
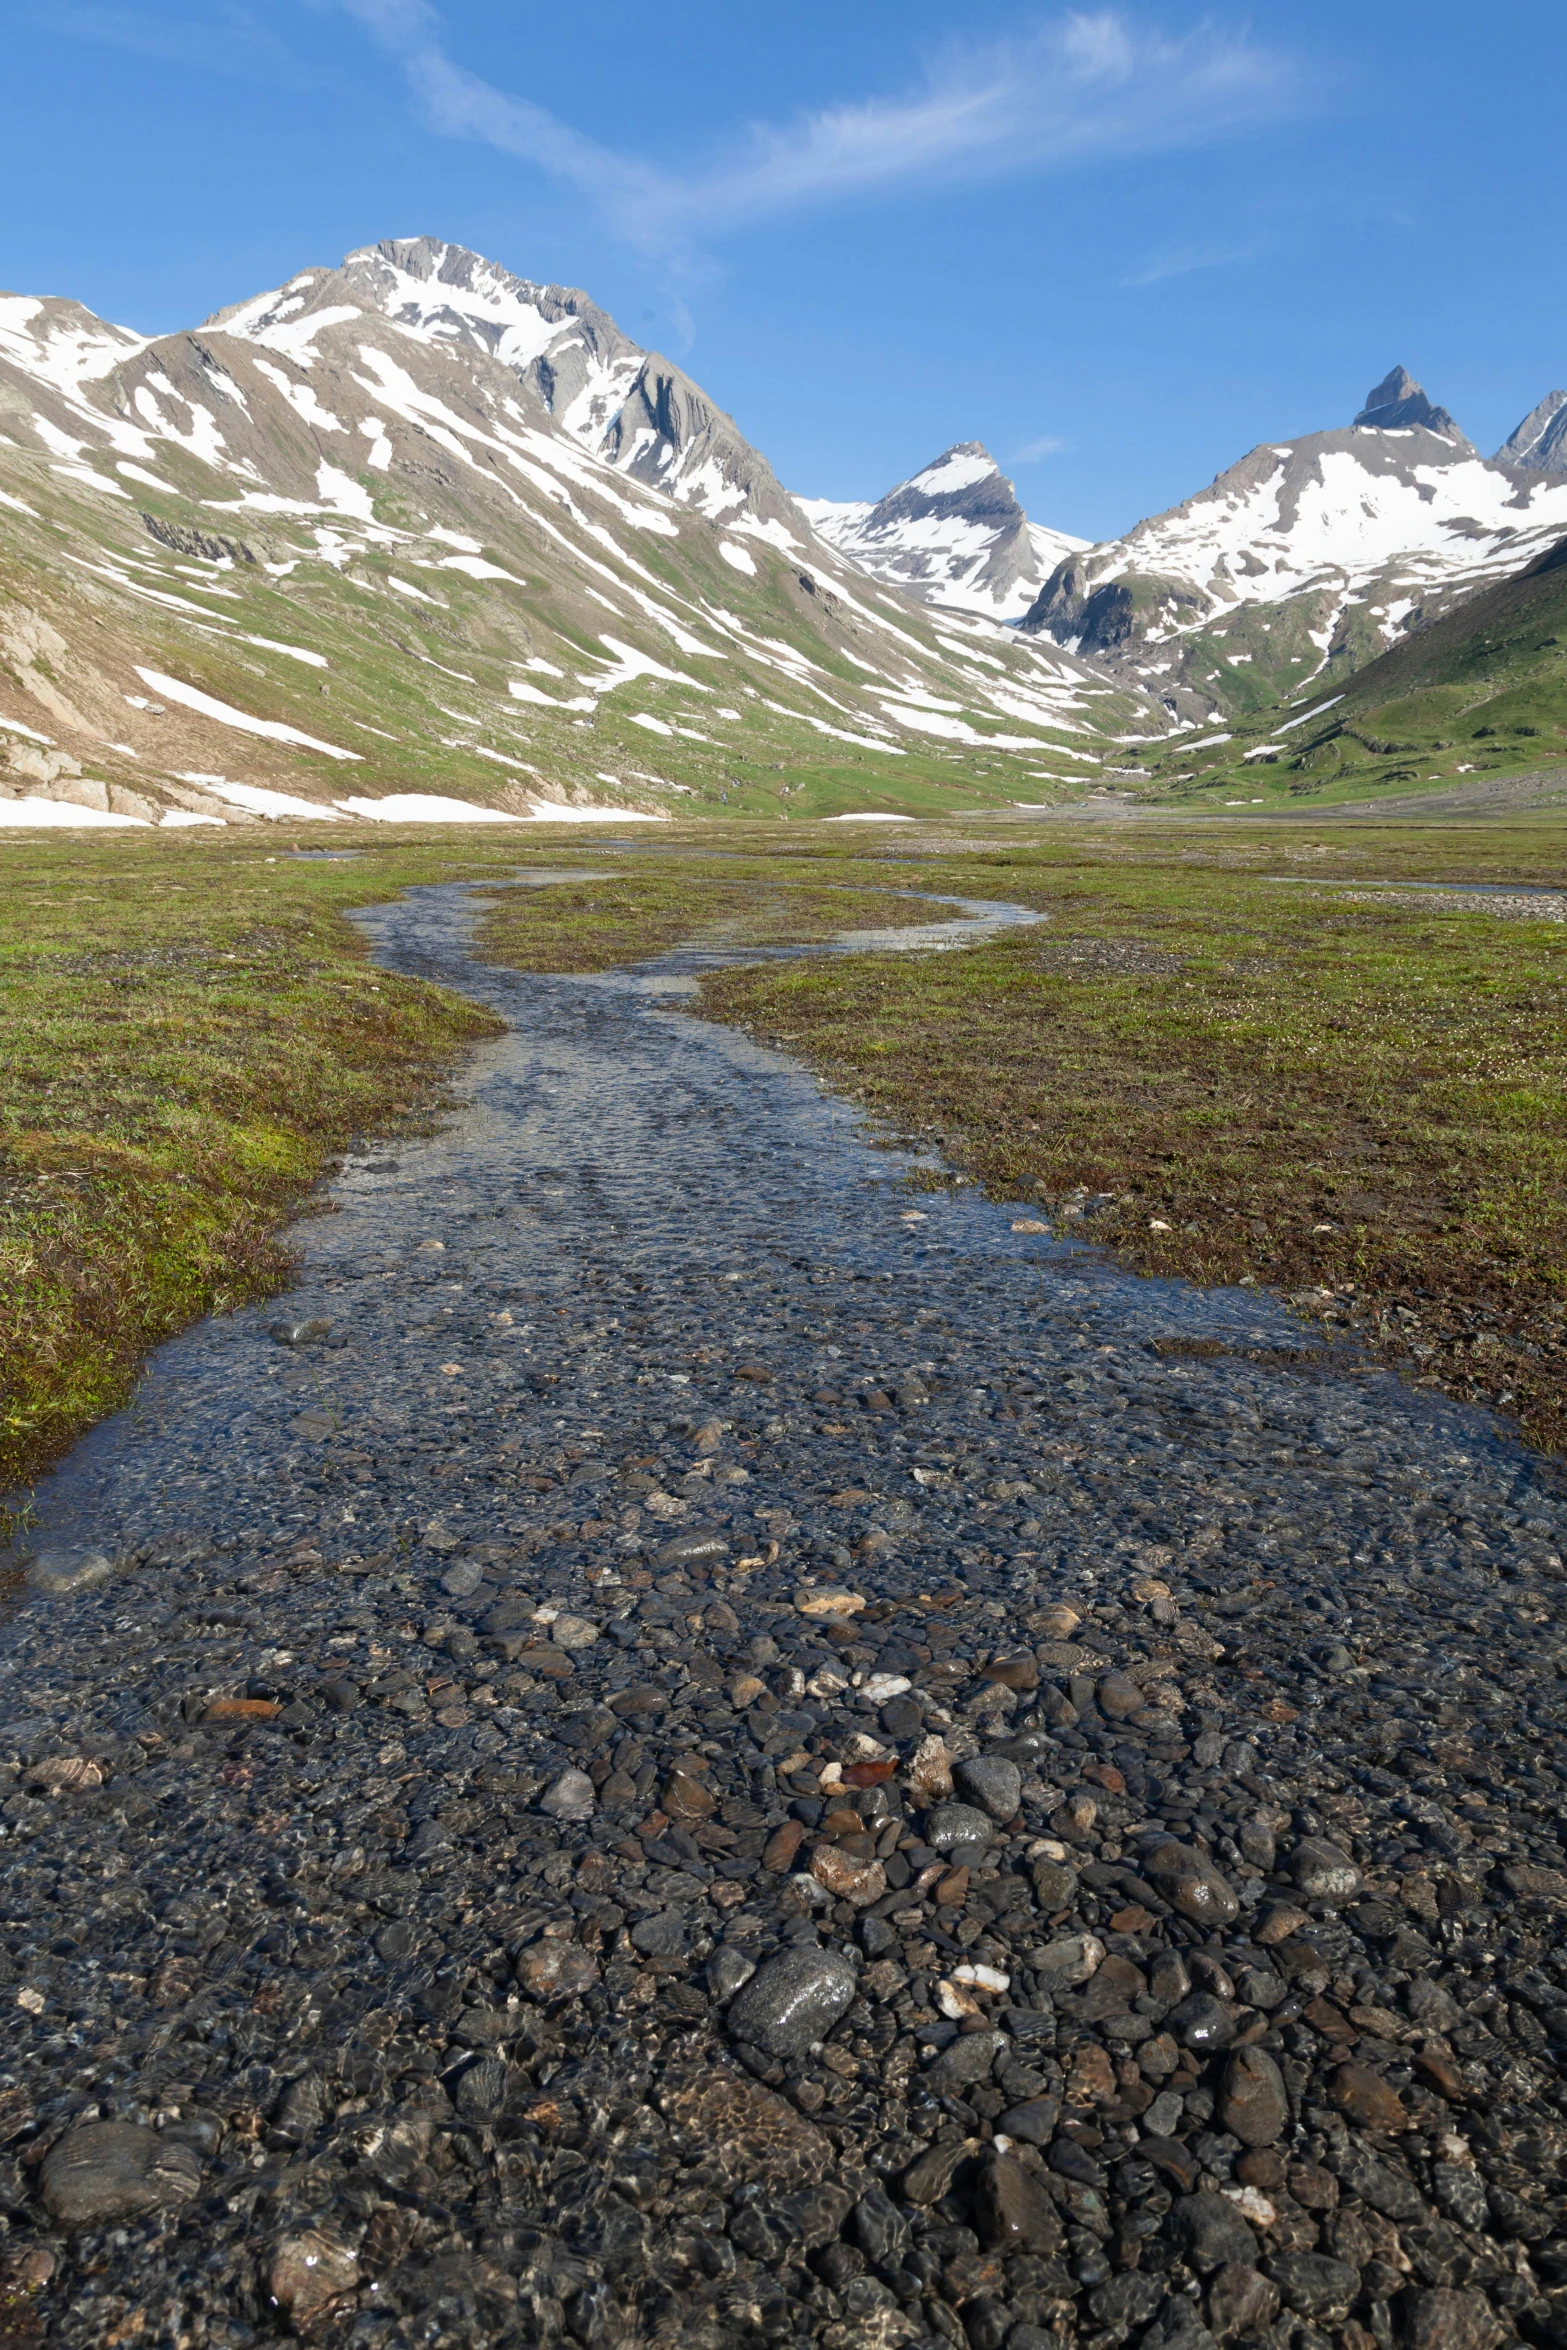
[58,1573]
[991,1782]
[948,1824]
[793,2001]
[571,1797]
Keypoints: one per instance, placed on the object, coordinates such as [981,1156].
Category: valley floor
[691,1742]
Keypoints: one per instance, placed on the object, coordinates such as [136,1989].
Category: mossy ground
[1269,1067]
[190,1035]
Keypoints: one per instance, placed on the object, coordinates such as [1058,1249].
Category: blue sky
[1119,246]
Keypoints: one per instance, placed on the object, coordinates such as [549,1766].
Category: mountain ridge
[1302,560]
[416,527]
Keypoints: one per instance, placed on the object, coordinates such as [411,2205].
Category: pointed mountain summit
[953,534]
[1540,442]
[1397,404]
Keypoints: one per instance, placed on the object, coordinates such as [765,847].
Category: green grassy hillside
[1481,692]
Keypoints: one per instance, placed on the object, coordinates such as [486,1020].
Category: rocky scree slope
[415,537]
[1541,440]
[1304,560]
[953,534]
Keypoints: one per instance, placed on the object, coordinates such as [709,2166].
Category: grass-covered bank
[649,906]
[1327,1091]
[188,1034]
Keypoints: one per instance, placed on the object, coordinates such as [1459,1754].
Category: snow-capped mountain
[953,534]
[1541,440]
[634,410]
[415,536]
[1307,557]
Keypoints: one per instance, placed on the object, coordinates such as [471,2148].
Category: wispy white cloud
[1076,88]
[464,106]
[228,40]
[1183,261]
[1046,445]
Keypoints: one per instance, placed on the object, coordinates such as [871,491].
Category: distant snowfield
[557,812]
[190,697]
[255,800]
[54,813]
[870,816]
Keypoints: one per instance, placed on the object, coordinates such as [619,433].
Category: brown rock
[1242,2303]
[829,1601]
[115,2170]
[1013,1672]
[1260,2167]
[66,1774]
[1013,2211]
[1190,1883]
[686,1799]
[311,2273]
[778,1853]
[1443,2075]
[746,2131]
[1252,2102]
[1091,2080]
[1055,1622]
[744,1691]
[927,2179]
[952,1889]
[552,1662]
[856,1881]
[552,1970]
[1449,2320]
[1134,1919]
[1278,1926]
[930,1771]
[1118,1698]
[1329,2020]
[242,1709]
[1548,1886]
[708,1437]
[1367,2099]
[1074,1822]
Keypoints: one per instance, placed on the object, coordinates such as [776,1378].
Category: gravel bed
[688,1745]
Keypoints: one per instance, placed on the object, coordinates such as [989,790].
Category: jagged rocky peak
[1398,404]
[964,479]
[953,533]
[1540,442]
